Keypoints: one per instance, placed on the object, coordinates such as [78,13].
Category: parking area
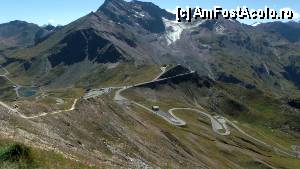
[96,92]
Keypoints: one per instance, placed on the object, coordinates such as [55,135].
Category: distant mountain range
[20,34]
[289,30]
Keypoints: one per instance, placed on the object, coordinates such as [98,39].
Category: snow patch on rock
[139,14]
[174,29]
[232,20]
[266,68]
[256,24]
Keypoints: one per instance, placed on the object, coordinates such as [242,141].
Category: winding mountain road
[165,115]
[6,72]
[41,114]
[16,88]
[217,123]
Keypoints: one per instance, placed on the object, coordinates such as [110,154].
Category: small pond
[27,91]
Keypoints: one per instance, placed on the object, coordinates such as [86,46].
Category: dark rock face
[233,108]
[292,73]
[123,38]
[108,55]
[27,65]
[128,12]
[49,27]
[260,70]
[210,24]
[155,23]
[294,103]
[73,52]
[116,10]
[84,44]
[9,61]
[229,79]
[233,80]
[177,70]
[189,78]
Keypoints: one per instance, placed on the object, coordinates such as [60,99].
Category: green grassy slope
[19,156]
[260,115]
